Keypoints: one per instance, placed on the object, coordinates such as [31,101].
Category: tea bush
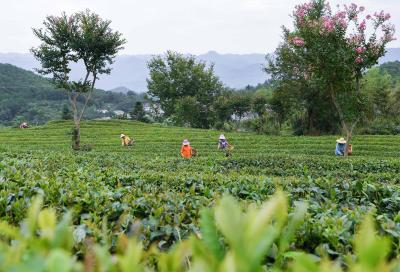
[149,193]
[230,240]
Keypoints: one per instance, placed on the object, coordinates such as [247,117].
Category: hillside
[104,136]
[392,68]
[25,96]
[130,71]
[14,77]
[148,191]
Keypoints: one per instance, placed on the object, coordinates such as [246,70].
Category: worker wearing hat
[186,149]
[222,142]
[224,145]
[125,140]
[340,147]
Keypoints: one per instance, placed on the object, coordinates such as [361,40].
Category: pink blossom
[302,10]
[340,18]
[362,9]
[375,49]
[298,41]
[355,39]
[359,60]
[369,17]
[352,12]
[362,26]
[343,23]
[341,15]
[360,50]
[381,16]
[328,24]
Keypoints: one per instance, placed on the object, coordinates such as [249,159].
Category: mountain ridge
[130,71]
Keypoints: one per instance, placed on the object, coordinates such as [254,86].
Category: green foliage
[138,112]
[323,59]
[240,104]
[259,104]
[393,69]
[66,113]
[150,191]
[178,82]
[82,37]
[222,109]
[248,238]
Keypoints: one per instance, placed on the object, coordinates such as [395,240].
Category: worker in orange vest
[186,149]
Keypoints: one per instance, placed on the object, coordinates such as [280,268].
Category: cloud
[154,26]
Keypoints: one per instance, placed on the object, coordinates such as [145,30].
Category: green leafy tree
[259,104]
[333,50]
[138,112]
[82,37]
[240,104]
[222,109]
[297,97]
[378,87]
[188,112]
[175,76]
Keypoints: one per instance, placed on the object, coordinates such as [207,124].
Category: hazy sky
[189,26]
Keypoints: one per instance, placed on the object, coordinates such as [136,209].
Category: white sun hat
[186,142]
[222,137]
[122,136]
[341,141]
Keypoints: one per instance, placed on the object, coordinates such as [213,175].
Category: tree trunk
[348,130]
[348,139]
[349,135]
[76,136]
[311,130]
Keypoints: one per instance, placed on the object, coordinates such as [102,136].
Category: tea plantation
[114,200]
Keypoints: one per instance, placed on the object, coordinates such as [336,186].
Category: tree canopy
[82,37]
[184,87]
[327,53]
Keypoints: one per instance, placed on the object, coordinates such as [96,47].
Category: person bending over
[341,146]
[224,145]
[126,141]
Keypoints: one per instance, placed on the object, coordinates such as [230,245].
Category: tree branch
[87,98]
[338,108]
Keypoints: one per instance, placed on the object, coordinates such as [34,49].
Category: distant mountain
[130,71]
[14,77]
[121,89]
[26,96]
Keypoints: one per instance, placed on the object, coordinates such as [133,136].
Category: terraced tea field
[149,191]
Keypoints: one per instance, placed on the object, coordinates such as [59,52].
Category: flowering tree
[332,50]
